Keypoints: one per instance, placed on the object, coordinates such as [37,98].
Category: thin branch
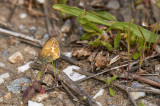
[19,35]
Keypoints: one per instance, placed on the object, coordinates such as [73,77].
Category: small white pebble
[81,4]
[68,54]
[41,1]
[99,104]
[1,99]
[137,95]
[4,76]
[30,50]
[31,103]
[23,15]
[67,26]
[16,57]
[32,28]
[40,97]
[21,27]
[148,103]
[2,64]
[46,36]
[99,93]
[63,39]
[25,67]
[73,75]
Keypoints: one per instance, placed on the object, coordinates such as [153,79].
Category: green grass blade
[117,40]
[107,45]
[76,12]
[136,55]
[104,15]
[111,91]
[86,24]
[134,29]
[114,78]
[117,25]
[103,79]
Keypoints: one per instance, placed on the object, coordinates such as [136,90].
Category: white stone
[32,28]
[73,75]
[68,54]
[137,95]
[99,93]
[30,50]
[147,103]
[48,80]
[81,3]
[40,97]
[63,39]
[1,99]
[16,57]
[99,104]
[23,15]
[3,77]
[66,27]
[41,1]
[113,4]
[2,64]
[21,2]
[46,36]
[25,67]
[21,27]
[31,103]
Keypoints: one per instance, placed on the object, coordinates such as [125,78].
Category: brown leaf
[28,94]
[82,52]
[102,59]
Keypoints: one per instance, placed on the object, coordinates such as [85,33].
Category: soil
[10,45]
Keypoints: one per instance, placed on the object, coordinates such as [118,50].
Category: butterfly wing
[50,51]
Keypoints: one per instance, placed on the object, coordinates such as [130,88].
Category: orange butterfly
[50,51]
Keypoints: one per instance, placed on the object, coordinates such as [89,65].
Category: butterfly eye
[50,51]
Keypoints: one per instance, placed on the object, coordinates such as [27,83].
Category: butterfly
[50,51]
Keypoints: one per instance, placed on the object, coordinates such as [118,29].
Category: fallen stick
[147,81]
[114,68]
[21,36]
[62,77]
[76,88]
[35,42]
[148,90]
[115,84]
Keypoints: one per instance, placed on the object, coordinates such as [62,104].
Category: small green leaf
[140,44]
[140,104]
[86,36]
[114,78]
[136,55]
[133,39]
[86,24]
[96,42]
[104,15]
[138,1]
[111,91]
[38,76]
[117,40]
[103,79]
[158,3]
[110,80]
[107,45]
[63,1]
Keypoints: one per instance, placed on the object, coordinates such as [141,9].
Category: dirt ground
[25,22]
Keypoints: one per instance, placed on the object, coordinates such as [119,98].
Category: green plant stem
[53,66]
